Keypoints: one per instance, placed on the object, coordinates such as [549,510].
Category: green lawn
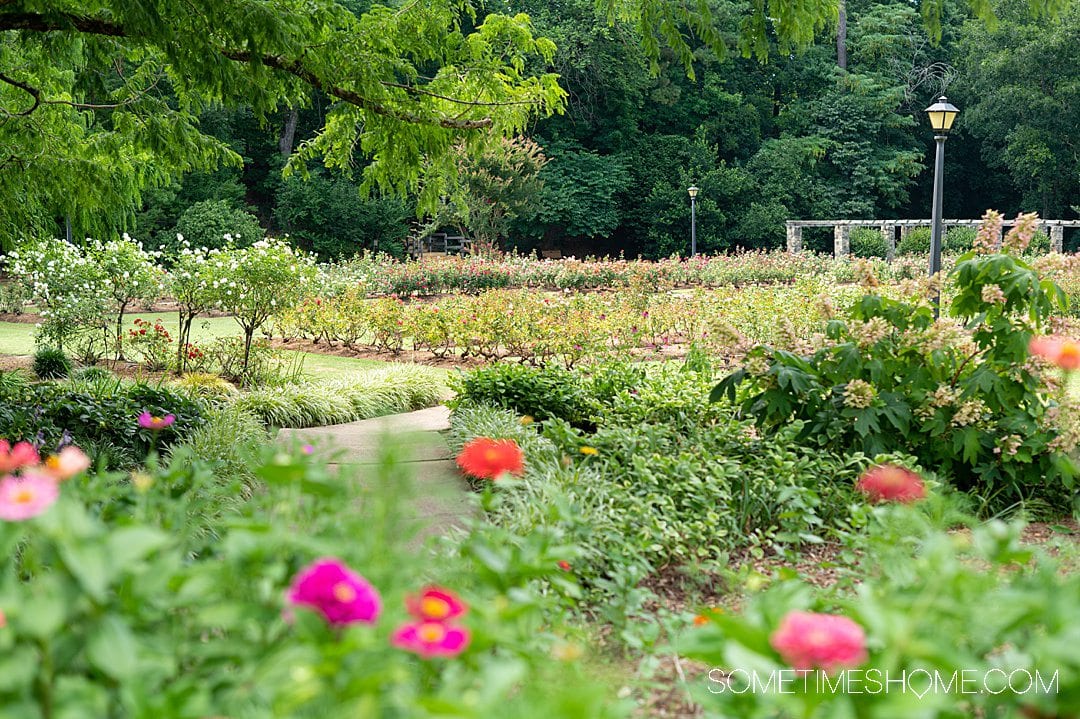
[17,338]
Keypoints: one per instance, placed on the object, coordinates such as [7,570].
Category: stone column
[888,232]
[794,238]
[841,241]
[1057,238]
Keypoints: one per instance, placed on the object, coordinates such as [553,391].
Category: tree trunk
[288,133]
[841,36]
[248,335]
[120,333]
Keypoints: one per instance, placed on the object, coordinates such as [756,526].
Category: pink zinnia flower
[155,423]
[806,640]
[889,483]
[26,496]
[70,461]
[431,639]
[22,454]
[336,592]
[435,604]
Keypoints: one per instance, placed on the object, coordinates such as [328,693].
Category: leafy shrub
[101,416]
[329,216]
[651,495]
[959,239]
[541,393]
[867,242]
[965,401]
[51,363]
[207,223]
[153,342]
[13,297]
[92,374]
[915,242]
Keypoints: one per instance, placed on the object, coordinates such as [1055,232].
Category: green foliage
[216,224]
[918,632]
[132,596]
[51,363]
[493,189]
[578,194]
[363,396]
[1020,88]
[965,401]
[915,242]
[98,414]
[867,242]
[209,388]
[252,283]
[540,393]
[959,239]
[113,90]
[329,217]
[664,481]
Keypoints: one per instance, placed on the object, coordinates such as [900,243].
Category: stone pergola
[890,228]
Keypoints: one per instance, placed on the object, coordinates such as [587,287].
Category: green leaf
[112,649]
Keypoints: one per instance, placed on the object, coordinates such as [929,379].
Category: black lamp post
[942,116]
[693,220]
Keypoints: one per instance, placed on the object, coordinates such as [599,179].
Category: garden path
[439,499]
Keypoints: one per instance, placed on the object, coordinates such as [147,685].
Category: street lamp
[693,220]
[942,116]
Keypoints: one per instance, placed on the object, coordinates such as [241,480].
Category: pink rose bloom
[155,423]
[431,639]
[435,604]
[70,461]
[26,496]
[336,592]
[888,483]
[22,454]
[806,640]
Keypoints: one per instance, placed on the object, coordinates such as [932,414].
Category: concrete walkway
[440,498]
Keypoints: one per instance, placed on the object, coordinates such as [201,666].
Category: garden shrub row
[373,393]
[99,415]
[563,328]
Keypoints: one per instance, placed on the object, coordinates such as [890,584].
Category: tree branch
[61,22]
[33,92]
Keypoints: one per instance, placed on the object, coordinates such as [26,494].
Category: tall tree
[112,90]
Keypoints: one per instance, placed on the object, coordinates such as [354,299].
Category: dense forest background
[834,132]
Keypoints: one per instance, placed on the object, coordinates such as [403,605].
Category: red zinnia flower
[486,458]
[889,483]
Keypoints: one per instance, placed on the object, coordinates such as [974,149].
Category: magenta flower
[431,639]
[22,454]
[336,592]
[828,642]
[26,496]
[155,423]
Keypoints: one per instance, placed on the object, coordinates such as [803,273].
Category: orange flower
[486,458]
